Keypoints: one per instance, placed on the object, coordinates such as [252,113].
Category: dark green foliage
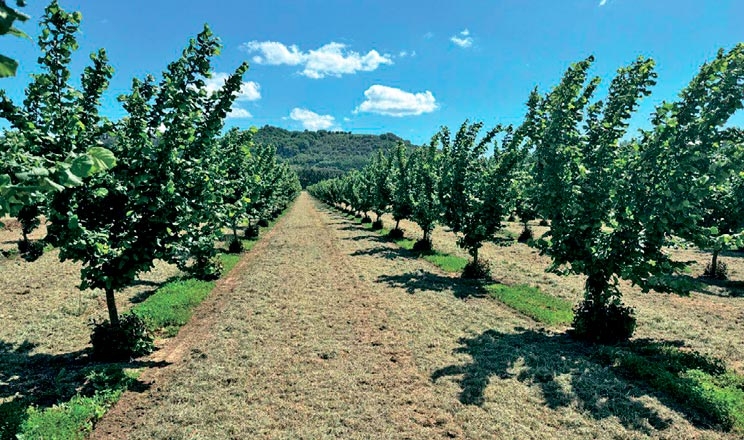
[603,323]
[130,339]
[263,223]
[377,225]
[366,219]
[543,222]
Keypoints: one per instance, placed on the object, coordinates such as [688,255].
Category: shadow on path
[559,368]
[421,281]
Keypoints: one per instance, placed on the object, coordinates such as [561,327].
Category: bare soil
[326,330]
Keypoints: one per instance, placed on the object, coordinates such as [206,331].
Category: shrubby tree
[381,188]
[424,169]
[577,173]
[476,191]
[401,200]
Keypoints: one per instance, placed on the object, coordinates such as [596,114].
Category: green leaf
[8,67]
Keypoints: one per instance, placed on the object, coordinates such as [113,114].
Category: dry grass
[330,331]
[709,320]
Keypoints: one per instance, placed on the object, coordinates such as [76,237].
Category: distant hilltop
[318,155]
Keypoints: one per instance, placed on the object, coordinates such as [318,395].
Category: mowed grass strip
[533,303]
[171,306]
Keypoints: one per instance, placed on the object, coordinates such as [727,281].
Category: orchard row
[612,201]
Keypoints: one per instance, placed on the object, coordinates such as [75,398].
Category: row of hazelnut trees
[161,183]
[612,202]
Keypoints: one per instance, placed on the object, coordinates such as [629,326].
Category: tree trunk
[379,217]
[714,264]
[235,230]
[111,304]
[596,289]
[397,224]
[475,256]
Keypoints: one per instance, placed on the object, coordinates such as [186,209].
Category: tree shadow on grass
[142,296]
[382,251]
[559,368]
[704,285]
[426,281]
[44,380]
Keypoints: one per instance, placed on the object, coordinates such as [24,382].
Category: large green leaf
[8,66]
[97,159]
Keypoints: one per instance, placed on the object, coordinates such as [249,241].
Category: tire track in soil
[293,344]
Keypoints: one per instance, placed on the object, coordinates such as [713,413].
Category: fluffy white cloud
[602,2]
[405,53]
[311,120]
[249,90]
[390,101]
[332,59]
[239,113]
[463,39]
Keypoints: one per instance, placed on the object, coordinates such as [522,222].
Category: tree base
[236,246]
[129,340]
[377,225]
[526,235]
[251,232]
[396,234]
[721,272]
[423,246]
[30,250]
[603,324]
[477,270]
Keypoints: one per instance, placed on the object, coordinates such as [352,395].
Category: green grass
[168,309]
[75,418]
[533,303]
[694,381]
[447,262]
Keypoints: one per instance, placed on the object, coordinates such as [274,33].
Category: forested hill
[318,155]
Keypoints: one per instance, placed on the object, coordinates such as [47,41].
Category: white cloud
[602,2]
[429,35]
[239,113]
[390,101]
[311,120]
[463,39]
[405,53]
[332,59]
[347,119]
[249,90]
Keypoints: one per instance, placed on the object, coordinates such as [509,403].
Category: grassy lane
[328,331]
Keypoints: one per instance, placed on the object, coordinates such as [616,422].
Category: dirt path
[326,331]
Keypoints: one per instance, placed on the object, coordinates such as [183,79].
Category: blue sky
[406,67]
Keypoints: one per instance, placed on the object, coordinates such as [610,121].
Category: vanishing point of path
[325,330]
